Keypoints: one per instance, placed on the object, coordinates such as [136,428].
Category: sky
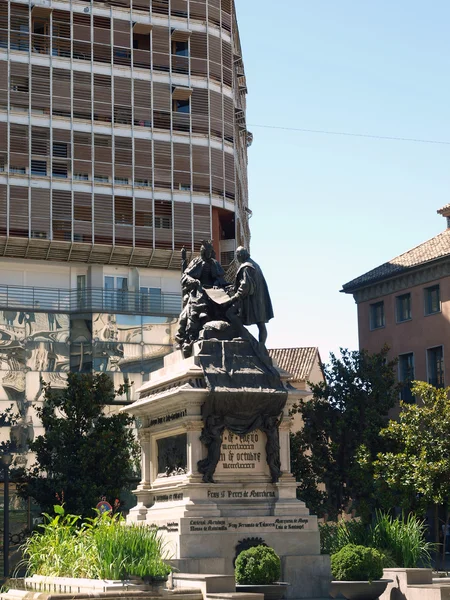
[327,208]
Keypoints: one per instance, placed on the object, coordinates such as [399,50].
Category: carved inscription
[243,454]
[268,524]
[230,494]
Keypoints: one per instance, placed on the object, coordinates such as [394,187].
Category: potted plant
[258,571]
[357,572]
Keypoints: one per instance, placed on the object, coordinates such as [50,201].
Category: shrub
[357,563]
[400,539]
[259,565]
[100,548]
[404,539]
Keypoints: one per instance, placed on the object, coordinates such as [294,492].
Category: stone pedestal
[205,524]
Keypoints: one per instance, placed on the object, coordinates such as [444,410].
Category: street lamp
[6,460]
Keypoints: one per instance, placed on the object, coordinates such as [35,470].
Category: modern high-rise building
[122,139]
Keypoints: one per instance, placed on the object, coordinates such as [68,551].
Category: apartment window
[435,362]
[59,170]
[377,315]
[59,149]
[81,176]
[19,84]
[39,168]
[403,306]
[180,48]
[406,376]
[182,106]
[141,183]
[17,170]
[120,180]
[101,178]
[151,300]
[432,300]
[163,222]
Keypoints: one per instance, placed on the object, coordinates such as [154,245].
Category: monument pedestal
[207,519]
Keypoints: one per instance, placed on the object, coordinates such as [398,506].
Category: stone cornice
[408,279]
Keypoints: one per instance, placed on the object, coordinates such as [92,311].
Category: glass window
[435,358]
[403,305]
[432,300]
[81,358]
[151,300]
[60,149]
[377,315]
[59,170]
[181,48]
[39,168]
[182,106]
[406,376]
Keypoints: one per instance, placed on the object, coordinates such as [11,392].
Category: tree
[84,453]
[343,418]
[417,467]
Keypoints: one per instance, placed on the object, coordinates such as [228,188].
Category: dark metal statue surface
[245,390]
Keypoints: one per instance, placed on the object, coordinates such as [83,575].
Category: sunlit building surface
[122,139]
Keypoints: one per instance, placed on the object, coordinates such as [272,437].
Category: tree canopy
[343,418]
[84,454]
[417,466]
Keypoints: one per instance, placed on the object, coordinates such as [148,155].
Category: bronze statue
[202,273]
[252,293]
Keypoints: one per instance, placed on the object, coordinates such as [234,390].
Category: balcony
[60,300]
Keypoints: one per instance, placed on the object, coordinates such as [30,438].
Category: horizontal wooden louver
[18,211]
[40,214]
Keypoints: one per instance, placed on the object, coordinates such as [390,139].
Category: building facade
[405,303]
[122,139]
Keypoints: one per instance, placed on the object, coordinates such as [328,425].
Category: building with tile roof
[405,303]
[304,365]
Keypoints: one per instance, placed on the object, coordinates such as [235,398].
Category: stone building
[122,139]
[405,303]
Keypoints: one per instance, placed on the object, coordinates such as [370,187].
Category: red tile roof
[296,361]
[433,249]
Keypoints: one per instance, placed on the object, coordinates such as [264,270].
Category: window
[39,168]
[406,376]
[182,106]
[403,306]
[19,84]
[116,292]
[17,170]
[377,315]
[180,48]
[120,180]
[101,178]
[163,222]
[81,176]
[59,170]
[59,149]
[141,183]
[432,300]
[435,358]
[151,300]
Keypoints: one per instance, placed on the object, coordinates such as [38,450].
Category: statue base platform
[206,524]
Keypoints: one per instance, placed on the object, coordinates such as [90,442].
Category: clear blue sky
[329,208]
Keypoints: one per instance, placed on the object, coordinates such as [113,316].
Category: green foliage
[401,540]
[404,539]
[100,548]
[334,536]
[357,563]
[417,468]
[84,452]
[344,415]
[259,565]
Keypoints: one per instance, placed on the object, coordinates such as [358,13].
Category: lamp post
[6,460]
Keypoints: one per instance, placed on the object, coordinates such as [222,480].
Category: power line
[360,135]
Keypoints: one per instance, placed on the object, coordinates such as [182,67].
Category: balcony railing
[89,300]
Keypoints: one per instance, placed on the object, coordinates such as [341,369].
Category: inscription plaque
[243,455]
